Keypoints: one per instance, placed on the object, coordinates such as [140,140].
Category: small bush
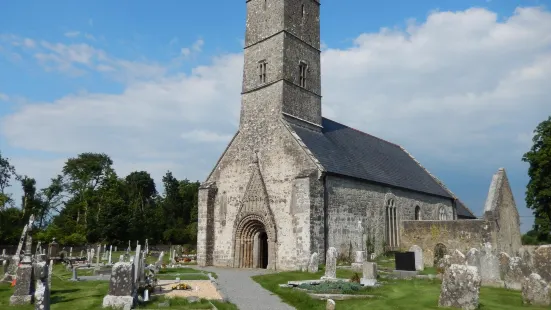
[355,278]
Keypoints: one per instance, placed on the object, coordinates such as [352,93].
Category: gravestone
[50,273]
[136,262]
[121,258]
[460,287]
[405,261]
[41,258]
[81,253]
[313,264]
[515,273]
[75,276]
[110,252]
[542,262]
[53,249]
[418,253]
[159,261]
[122,290]
[358,261]
[42,291]
[4,252]
[369,274]
[115,248]
[457,258]
[24,286]
[71,252]
[330,304]
[97,258]
[535,291]
[504,260]
[489,265]
[331,264]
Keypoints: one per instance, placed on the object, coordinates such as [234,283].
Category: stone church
[291,182]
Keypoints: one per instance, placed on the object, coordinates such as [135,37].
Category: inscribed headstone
[460,287]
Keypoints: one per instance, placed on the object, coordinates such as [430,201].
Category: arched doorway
[439,251]
[252,244]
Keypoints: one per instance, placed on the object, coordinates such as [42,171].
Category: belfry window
[262,66]
[303,10]
[417,213]
[391,220]
[303,68]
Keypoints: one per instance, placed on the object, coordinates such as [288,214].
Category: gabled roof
[345,151]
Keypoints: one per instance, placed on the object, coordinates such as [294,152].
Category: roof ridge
[437,180]
[363,132]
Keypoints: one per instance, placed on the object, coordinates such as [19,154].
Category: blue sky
[460,84]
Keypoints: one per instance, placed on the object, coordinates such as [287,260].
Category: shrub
[355,278]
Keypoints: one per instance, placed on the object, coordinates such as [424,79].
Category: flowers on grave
[181,286]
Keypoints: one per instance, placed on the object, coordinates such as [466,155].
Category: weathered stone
[515,273]
[489,265]
[419,265]
[330,305]
[457,258]
[359,258]
[369,275]
[542,262]
[122,280]
[331,264]
[535,291]
[460,287]
[472,258]
[24,286]
[504,260]
[444,263]
[313,264]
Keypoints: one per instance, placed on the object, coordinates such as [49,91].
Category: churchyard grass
[394,294]
[84,295]
[183,274]
[428,270]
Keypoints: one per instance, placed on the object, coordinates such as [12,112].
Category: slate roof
[345,151]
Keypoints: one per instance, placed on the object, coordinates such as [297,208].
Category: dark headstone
[405,261]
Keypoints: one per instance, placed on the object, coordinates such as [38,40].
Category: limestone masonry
[292,183]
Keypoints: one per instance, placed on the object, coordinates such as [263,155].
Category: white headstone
[418,252]
[489,265]
[313,264]
[110,252]
[369,275]
[460,287]
[331,264]
[137,261]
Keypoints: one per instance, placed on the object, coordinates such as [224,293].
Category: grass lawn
[67,295]
[395,294]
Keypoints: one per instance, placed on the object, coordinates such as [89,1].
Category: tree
[52,197]
[84,174]
[538,190]
[7,171]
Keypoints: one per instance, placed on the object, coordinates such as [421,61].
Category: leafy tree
[84,174]
[7,171]
[538,193]
[52,198]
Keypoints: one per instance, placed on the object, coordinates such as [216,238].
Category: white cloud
[4,97]
[462,88]
[195,48]
[72,34]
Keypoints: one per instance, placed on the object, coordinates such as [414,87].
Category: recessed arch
[417,213]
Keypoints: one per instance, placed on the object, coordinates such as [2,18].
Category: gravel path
[237,286]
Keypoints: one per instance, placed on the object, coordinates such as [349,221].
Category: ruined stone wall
[351,201]
[461,235]
[501,209]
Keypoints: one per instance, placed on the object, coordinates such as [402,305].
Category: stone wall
[454,235]
[357,207]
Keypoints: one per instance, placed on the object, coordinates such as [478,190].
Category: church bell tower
[281,75]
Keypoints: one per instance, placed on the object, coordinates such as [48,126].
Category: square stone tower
[282,62]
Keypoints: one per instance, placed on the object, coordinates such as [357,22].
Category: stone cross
[331,264]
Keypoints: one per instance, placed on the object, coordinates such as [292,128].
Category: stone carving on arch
[254,218]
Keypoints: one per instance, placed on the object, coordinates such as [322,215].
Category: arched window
[391,219]
[417,213]
[303,10]
[442,214]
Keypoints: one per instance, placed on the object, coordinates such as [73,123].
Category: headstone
[369,275]
[160,259]
[358,261]
[4,252]
[42,291]
[137,261]
[173,260]
[489,265]
[330,305]
[542,262]
[5,266]
[41,258]
[515,273]
[504,260]
[535,291]
[75,276]
[121,258]
[71,252]
[419,266]
[110,252]
[50,273]
[53,249]
[81,253]
[121,287]
[404,261]
[460,287]
[38,248]
[97,259]
[331,264]
[313,264]
[13,265]
[24,286]
[92,255]
[146,293]
[457,258]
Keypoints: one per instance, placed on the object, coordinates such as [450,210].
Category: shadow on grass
[54,292]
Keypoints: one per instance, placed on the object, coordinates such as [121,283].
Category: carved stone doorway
[253,247]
